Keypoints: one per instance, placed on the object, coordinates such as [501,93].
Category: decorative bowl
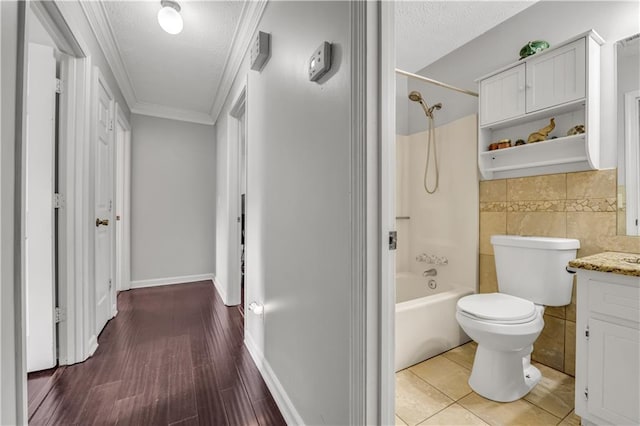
[532,47]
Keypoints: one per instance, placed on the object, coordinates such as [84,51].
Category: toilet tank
[534,268]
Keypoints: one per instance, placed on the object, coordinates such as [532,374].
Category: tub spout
[430,272]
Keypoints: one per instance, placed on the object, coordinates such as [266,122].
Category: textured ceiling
[428,30]
[179,71]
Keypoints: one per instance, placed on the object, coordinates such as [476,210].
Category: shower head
[415,96]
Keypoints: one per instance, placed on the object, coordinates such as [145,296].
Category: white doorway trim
[237,118]
[123,201]
[385,328]
[74,332]
[632,160]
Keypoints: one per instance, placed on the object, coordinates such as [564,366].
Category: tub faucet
[430,272]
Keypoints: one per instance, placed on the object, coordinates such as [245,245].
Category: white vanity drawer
[616,300]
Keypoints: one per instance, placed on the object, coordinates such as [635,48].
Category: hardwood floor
[172,356]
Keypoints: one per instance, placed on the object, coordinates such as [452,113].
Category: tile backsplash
[571,205]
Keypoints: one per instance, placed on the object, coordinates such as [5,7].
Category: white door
[39,214]
[612,377]
[103,152]
[502,95]
[122,208]
[556,77]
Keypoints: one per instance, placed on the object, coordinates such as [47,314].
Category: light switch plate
[320,61]
[260,50]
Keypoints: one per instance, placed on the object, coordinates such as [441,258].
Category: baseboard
[220,289]
[171,280]
[289,412]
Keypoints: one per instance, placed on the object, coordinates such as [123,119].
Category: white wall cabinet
[557,77]
[503,95]
[562,82]
[608,348]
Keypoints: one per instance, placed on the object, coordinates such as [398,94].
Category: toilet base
[503,376]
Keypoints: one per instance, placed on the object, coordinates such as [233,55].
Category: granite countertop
[617,263]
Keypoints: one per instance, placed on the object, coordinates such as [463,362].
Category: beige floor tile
[454,415]
[518,412]
[399,422]
[416,400]
[445,375]
[463,355]
[571,420]
[554,393]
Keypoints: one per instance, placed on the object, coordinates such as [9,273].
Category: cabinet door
[614,372]
[556,77]
[502,95]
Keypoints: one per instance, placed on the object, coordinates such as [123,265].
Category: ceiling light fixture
[169,17]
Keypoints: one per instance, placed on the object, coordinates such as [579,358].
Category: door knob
[104,222]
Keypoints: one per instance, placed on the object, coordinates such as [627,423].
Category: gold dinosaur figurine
[541,135]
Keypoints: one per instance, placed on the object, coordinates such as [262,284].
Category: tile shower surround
[570,205]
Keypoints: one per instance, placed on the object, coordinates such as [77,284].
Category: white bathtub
[425,319]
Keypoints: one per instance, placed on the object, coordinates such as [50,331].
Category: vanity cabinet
[563,83]
[607,348]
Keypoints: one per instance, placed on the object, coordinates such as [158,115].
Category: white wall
[298,207]
[444,223]
[172,200]
[553,21]
[8,62]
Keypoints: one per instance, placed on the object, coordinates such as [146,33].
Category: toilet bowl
[505,342]
[531,273]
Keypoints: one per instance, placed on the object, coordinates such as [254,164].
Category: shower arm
[436,82]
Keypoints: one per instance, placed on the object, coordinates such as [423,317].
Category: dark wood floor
[172,356]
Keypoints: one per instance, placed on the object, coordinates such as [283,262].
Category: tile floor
[435,392]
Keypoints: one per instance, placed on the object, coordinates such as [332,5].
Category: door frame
[632,160]
[122,195]
[74,333]
[238,109]
[386,208]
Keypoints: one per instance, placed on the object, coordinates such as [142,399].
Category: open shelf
[569,152]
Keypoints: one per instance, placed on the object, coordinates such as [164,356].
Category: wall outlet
[260,50]
[320,61]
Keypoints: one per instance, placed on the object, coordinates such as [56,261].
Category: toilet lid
[497,307]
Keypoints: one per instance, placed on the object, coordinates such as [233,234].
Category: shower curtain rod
[436,82]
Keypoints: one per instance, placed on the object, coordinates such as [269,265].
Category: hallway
[173,355]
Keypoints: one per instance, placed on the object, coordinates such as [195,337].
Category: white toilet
[531,274]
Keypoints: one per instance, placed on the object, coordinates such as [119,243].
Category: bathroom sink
[633,260]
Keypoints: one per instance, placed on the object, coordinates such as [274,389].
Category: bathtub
[425,319]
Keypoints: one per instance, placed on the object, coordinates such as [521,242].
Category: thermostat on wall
[320,61]
[260,50]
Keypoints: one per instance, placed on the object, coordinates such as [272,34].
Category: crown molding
[103,32]
[162,111]
[249,19]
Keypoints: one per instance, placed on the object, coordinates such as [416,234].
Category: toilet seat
[497,308]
